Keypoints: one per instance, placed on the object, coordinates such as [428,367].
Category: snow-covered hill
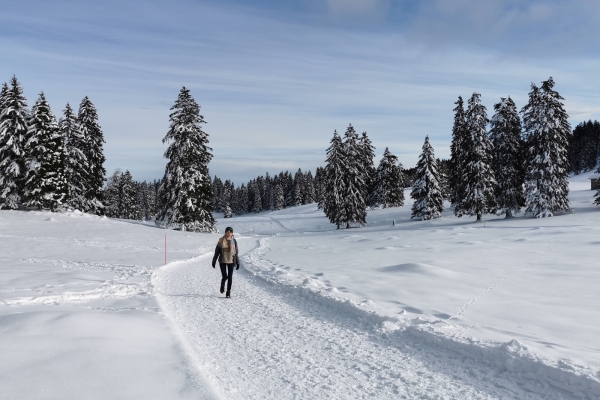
[447,308]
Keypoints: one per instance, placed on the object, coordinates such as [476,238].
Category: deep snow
[440,309]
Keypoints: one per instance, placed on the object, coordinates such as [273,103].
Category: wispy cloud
[275,79]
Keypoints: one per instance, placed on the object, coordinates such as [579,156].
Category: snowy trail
[276,342]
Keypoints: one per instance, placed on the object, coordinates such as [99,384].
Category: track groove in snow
[531,265]
[272,341]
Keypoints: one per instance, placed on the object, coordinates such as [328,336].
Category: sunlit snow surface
[447,308]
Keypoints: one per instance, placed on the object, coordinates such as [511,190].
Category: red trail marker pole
[165,249]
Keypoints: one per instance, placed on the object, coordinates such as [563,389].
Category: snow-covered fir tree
[334,182]
[242,206]
[129,207]
[153,199]
[367,157]
[226,199]
[217,187]
[127,199]
[426,191]
[187,187]
[298,188]
[388,188]
[3,97]
[256,201]
[145,200]
[547,134]
[354,207]
[507,159]
[320,186]
[266,192]
[13,136]
[3,94]
[93,138]
[260,185]
[77,169]
[309,189]
[112,195]
[480,190]
[458,158]
[584,147]
[287,181]
[279,199]
[251,195]
[46,181]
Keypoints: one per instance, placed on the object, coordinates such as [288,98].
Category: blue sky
[275,78]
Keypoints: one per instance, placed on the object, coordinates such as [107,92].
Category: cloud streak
[276,80]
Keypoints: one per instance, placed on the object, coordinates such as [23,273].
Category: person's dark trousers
[226,273]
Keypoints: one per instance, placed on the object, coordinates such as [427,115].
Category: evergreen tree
[279,199]
[227,212]
[3,95]
[260,185]
[93,140]
[268,193]
[227,198]
[354,209]
[334,183]
[257,201]
[13,136]
[426,191]
[547,134]
[479,197]
[152,198]
[251,196]
[287,183]
[187,187]
[46,182]
[129,208]
[367,156]
[298,188]
[243,200]
[217,187]
[505,134]
[142,200]
[320,187]
[77,168]
[309,189]
[388,189]
[112,195]
[458,158]
[584,147]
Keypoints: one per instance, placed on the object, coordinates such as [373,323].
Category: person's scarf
[231,245]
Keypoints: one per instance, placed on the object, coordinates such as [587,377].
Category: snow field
[437,309]
[274,341]
[77,314]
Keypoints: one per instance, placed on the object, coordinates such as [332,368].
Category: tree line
[521,162]
[45,163]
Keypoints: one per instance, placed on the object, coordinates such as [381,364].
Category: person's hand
[213,264]
[238,267]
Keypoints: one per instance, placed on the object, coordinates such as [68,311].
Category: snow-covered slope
[78,318]
[440,309]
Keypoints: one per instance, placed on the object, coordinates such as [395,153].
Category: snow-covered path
[273,341]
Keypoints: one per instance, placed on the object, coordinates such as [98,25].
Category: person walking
[227,253]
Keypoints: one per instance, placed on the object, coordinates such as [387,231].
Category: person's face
[228,234]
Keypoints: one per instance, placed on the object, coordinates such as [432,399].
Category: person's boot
[227,294]
[222,288]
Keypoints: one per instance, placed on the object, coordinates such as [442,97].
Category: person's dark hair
[230,229]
